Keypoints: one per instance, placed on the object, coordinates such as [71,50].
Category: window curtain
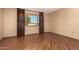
[20,22]
[41,22]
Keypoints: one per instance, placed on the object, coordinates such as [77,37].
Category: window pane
[34,19]
[31,20]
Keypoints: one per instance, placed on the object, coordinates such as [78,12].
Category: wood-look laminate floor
[46,41]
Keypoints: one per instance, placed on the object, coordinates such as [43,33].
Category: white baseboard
[65,35]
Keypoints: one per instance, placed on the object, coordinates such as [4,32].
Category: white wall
[0,24]
[65,22]
[9,22]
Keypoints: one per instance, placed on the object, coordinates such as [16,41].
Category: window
[31,20]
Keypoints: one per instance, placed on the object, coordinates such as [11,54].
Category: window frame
[32,15]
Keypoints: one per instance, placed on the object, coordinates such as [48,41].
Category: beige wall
[65,22]
[0,24]
[46,22]
[9,22]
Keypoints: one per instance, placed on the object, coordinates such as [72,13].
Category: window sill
[31,25]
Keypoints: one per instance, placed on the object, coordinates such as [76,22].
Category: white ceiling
[46,10]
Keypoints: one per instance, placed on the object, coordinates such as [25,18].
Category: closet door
[20,22]
[41,22]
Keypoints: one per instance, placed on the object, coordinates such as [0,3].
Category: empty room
[39,28]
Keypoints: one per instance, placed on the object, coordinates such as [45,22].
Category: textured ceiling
[46,10]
